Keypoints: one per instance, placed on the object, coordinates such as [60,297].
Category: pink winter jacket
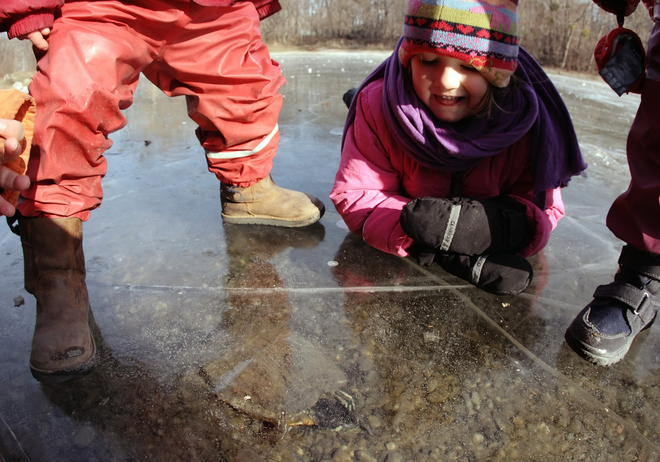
[376,179]
[20,17]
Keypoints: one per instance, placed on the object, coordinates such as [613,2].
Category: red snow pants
[213,56]
[635,215]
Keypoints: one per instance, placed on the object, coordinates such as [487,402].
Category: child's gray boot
[604,330]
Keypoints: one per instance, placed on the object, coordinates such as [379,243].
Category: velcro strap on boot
[642,262]
[636,299]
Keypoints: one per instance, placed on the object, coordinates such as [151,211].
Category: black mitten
[467,226]
[501,274]
[425,256]
[617,7]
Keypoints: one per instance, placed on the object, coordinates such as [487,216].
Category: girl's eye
[428,62]
[469,68]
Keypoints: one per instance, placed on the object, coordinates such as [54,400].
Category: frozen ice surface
[219,342]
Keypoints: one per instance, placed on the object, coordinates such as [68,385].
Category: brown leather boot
[62,345]
[265,203]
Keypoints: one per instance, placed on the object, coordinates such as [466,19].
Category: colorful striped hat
[483,33]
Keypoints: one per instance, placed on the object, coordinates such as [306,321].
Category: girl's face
[449,87]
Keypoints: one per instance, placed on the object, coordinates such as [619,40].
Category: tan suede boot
[265,203]
[62,345]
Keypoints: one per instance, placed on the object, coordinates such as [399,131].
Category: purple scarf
[536,106]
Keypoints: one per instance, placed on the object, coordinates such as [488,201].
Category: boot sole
[64,375]
[590,354]
[594,355]
[269,221]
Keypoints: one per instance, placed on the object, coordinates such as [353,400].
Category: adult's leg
[83,81]
[634,216]
[605,329]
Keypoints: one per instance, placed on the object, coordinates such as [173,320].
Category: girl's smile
[448,100]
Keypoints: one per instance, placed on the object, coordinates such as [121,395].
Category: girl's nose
[447,77]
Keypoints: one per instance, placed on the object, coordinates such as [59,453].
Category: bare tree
[364,22]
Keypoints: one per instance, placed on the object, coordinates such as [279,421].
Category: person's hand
[624,7]
[38,38]
[11,137]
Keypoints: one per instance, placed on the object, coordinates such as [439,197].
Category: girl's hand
[38,38]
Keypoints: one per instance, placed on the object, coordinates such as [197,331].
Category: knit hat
[483,33]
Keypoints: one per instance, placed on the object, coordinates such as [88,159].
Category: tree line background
[558,33]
